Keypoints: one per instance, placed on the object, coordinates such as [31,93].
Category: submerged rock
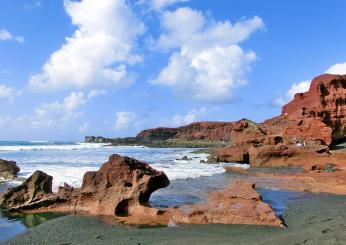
[8,169]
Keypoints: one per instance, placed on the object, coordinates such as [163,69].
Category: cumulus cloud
[124,120]
[5,35]
[8,93]
[67,106]
[209,64]
[295,88]
[301,87]
[180,120]
[97,55]
[337,69]
[160,4]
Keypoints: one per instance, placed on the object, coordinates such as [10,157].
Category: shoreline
[318,221]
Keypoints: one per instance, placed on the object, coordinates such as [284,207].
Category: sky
[114,67]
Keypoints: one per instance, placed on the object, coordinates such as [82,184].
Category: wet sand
[320,220]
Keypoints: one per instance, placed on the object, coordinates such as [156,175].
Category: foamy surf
[42,147]
[68,162]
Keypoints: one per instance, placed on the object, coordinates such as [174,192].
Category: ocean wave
[59,147]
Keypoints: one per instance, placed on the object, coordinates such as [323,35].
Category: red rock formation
[238,204]
[121,186]
[218,131]
[317,115]
[311,119]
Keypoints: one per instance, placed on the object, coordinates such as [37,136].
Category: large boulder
[121,187]
[35,189]
[237,204]
[8,169]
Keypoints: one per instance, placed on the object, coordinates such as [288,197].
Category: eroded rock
[8,169]
[36,188]
[122,186]
[237,204]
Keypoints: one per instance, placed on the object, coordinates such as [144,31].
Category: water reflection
[12,224]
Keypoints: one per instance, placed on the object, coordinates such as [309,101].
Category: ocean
[67,162]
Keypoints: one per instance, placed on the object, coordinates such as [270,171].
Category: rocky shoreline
[315,221]
[303,135]
[121,189]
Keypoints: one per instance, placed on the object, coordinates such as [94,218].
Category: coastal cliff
[307,126]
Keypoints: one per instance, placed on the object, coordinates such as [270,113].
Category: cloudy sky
[115,67]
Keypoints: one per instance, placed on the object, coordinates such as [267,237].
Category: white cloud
[181,120]
[209,64]
[124,120]
[69,104]
[337,69]
[97,54]
[161,4]
[295,88]
[8,93]
[94,93]
[5,35]
[61,113]
[301,87]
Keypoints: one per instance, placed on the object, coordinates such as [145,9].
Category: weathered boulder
[122,186]
[238,204]
[8,169]
[36,188]
[286,155]
[230,153]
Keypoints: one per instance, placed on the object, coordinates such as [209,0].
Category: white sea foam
[188,169]
[42,147]
[69,162]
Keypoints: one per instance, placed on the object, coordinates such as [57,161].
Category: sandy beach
[321,220]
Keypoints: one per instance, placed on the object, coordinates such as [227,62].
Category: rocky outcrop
[301,134]
[8,169]
[121,189]
[123,185]
[237,204]
[36,188]
[318,115]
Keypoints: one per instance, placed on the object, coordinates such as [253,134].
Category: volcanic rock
[238,204]
[36,188]
[122,186]
[8,169]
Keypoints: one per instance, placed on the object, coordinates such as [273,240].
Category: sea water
[191,180]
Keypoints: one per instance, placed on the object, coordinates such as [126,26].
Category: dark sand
[320,220]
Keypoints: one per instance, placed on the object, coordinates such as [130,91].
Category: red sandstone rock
[214,131]
[316,115]
[238,204]
[122,185]
[230,154]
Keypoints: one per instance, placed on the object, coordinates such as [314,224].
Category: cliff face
[314,116]
[213,131]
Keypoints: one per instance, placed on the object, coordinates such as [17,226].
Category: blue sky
[115,67]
